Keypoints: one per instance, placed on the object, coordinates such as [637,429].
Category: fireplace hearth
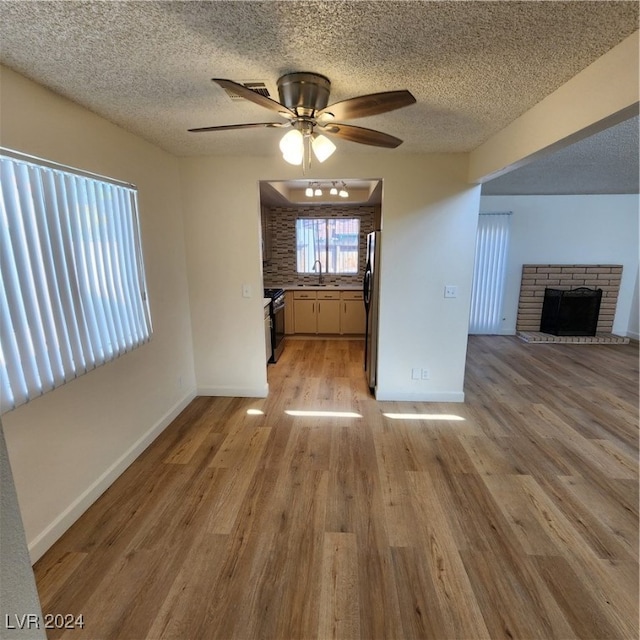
[572,312]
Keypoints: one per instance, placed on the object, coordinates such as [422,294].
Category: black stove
[273,293]
[276,309]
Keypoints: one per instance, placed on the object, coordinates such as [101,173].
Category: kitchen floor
[314,514]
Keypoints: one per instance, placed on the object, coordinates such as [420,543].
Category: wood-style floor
[515,517]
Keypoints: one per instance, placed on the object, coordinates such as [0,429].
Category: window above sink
[327,246]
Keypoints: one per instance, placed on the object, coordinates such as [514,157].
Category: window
[332,241]
[489,273]
[72,287]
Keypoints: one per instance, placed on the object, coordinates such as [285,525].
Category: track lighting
[315,189]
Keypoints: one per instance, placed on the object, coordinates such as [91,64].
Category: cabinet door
[328,316]
[305,316]
[288,313]
[352,319]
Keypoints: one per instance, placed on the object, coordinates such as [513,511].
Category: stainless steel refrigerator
[371,287]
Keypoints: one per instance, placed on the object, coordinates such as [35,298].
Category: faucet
[317,262]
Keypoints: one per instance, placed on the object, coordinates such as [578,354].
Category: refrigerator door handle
[366,288]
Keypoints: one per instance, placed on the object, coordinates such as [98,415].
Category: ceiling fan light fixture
[322,147]
[304,102]
[292,147]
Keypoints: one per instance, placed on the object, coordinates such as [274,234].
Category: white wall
[67,446]
[429,224]
[590,229]
[222,231]
[428,239]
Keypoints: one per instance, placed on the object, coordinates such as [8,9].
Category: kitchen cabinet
[352,316]
[305,315]
[317,312]
[289,325]
[328,312]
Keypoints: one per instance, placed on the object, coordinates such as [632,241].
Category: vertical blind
[332,241]
[72,286]
[492,243]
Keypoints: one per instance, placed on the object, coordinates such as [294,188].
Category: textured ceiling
[473,66]
[607,162]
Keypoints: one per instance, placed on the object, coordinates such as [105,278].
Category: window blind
[487,294]
[72,285]
[332,241]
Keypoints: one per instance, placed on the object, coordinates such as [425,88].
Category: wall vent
[259,86]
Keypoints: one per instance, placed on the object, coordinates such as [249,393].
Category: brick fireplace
[537,277]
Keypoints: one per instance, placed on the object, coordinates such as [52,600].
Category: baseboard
[43,541]
[235,392]
[444,396]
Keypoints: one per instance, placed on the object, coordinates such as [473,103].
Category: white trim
[633,335]
[435,396]
[235,392]
[45,539]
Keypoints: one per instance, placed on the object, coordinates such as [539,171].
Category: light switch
[246,290]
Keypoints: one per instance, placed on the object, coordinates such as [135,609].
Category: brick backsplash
[279,242]
[536,277]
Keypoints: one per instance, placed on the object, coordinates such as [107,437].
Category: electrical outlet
[416,373]
[424,374]
[246,290]
[450,291]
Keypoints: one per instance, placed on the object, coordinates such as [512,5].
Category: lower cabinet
[328,312]
[304,312]
[352,316]
[289,324]
[316,312]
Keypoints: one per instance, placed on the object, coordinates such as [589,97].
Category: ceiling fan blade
[253,96]
[361,135]
[252,125]
[369,105]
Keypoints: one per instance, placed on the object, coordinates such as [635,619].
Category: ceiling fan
[303,103]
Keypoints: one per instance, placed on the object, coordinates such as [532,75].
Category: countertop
[323,287]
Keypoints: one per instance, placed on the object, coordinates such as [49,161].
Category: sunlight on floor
[422,416]
[323,414]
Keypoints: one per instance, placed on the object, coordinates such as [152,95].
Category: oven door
[277,328]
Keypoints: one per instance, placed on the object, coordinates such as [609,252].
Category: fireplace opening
[572,312]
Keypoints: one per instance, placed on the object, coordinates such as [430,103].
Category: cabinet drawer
[352,295]
[328,295]
[304,295]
